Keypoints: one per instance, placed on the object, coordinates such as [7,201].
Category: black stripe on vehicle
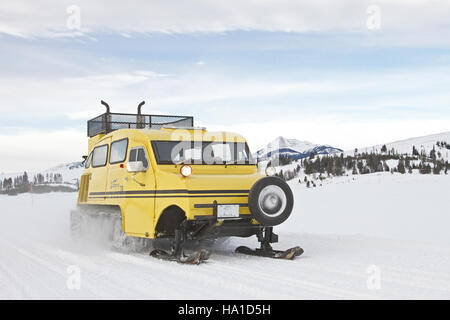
[217,191]
[122,192]
[177,196]
[166,192]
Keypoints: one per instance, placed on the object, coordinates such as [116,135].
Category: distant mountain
[66,167]
[423,144]
[293,149]
[70,172]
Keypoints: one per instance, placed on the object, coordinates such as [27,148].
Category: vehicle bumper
[213,227]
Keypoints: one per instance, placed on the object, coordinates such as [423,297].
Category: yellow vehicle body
[143,197]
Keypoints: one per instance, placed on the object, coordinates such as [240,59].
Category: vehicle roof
[169,134]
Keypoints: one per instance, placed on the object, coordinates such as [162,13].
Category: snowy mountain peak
[294,149]
[282,142]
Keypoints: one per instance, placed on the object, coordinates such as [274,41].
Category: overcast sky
[339,72]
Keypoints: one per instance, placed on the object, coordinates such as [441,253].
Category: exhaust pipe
[140,118]
[140,106]
[106,105]
[106,118]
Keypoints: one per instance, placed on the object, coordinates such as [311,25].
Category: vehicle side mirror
[135,166]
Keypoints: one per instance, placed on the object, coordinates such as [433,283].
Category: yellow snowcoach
[158,176]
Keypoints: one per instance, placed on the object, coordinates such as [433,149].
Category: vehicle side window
[142,157]
[87,164]
[100,155]
[133,153]
[139,154]
[118,151]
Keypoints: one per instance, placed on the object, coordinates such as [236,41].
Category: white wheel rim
[269,199]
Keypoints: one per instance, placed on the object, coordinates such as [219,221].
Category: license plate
[228,211]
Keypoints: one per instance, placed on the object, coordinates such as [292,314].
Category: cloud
[206,88]
[78,97]
[35,150]
[75,95]
[418,18]
[111,81]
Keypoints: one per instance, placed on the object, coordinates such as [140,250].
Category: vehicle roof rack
[184,127]
[108,122]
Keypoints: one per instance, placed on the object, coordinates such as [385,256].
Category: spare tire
[270,201]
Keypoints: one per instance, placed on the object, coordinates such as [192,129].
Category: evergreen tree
[25,179]
[425,168]
[433,154]
[329,166]
[437,167]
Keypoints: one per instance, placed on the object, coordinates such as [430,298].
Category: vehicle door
[140,191]
[117,173]
[97,184]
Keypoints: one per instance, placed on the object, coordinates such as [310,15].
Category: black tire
[279,211]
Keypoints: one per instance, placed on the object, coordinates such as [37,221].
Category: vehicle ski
[193,258]
[178,253]
[266,237]
[288,254]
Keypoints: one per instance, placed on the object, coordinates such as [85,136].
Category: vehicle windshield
[197,152]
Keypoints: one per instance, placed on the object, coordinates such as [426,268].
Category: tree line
[22,183]
[370,162]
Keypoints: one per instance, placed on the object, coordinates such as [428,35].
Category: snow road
[348,252]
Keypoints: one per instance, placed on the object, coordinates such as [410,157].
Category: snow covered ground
[381,236]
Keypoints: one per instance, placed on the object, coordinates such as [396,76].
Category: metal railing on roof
[108,122]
